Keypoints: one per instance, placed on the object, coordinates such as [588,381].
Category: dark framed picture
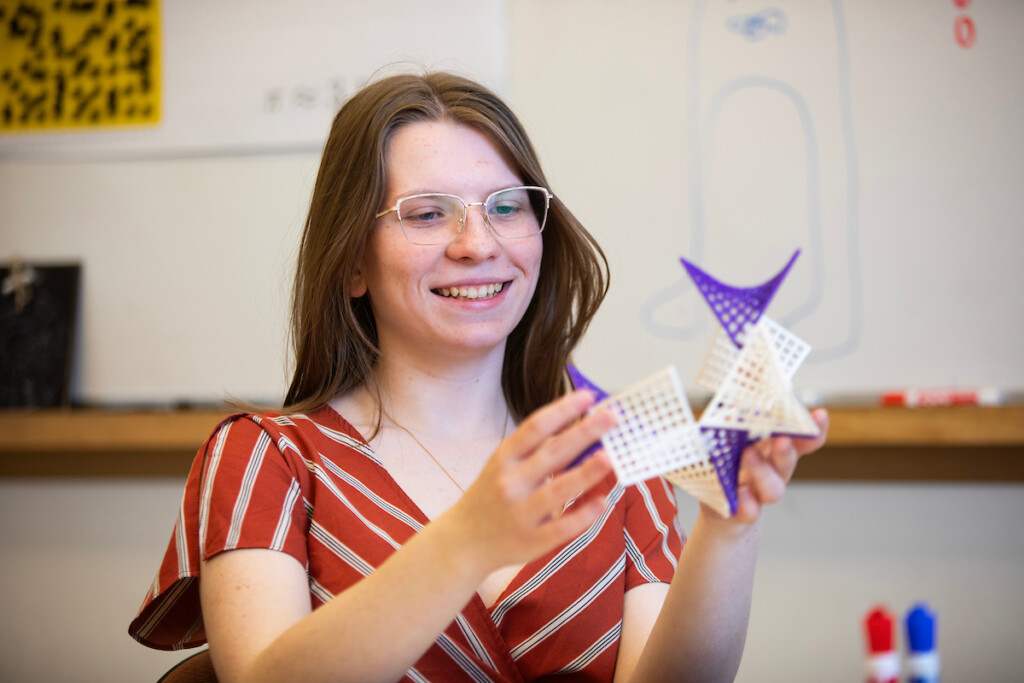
[38,307]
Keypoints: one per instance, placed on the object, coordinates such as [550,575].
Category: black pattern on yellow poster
[78,64]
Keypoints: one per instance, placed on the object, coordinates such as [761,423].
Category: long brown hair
[334,335]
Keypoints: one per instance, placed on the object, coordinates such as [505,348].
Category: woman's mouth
[473,292]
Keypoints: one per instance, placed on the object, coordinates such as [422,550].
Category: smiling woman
[411,513]
[493,277]
[354,187]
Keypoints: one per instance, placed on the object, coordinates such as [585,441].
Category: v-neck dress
[309,485]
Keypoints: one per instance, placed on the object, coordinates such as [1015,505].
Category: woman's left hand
[767,467]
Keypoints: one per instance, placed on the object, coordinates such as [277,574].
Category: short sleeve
[652,535]
[243,491]
[251,494]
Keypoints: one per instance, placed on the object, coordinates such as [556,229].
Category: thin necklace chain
[504,430]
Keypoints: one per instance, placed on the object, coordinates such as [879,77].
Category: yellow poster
[78,64]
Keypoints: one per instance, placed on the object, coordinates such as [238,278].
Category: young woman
[410,513]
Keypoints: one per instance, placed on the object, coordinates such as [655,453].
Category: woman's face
[414,289]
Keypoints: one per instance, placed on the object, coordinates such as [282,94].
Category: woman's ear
[357,285]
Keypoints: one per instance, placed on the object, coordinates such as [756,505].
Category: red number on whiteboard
[963,31]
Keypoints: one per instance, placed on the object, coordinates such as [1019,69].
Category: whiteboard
[239,76]
[882,139]
[861,133]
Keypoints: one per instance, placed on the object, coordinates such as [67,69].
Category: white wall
[77,556]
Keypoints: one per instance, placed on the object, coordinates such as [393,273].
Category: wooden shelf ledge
[963,443]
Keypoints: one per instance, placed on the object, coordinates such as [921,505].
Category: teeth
[481,292]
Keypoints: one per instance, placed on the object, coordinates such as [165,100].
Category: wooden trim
[962,443]
[949,426]
[100,443]
[914,464]
[101,430]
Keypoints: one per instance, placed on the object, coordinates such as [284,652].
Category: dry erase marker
[921,398]
[922,654]
[883,662]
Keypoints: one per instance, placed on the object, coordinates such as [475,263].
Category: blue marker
[923,657]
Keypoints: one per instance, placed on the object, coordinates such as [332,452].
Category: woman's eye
[506,209]
[425,216]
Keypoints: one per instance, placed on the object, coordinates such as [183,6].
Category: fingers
[551,497]
[768,466]
[549,420]
[805,446]
[572,513]
[748,508]
[577,519]
[551,438]
[542,519]
[525,488]
[559,451]
[783,452]
[764,480]
[782,455]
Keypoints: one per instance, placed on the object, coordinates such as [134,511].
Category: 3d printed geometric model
[749,367]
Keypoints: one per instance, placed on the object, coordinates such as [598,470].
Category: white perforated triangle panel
[700,480]
[719,360]
[756,396]
[790,349]
[655,433]
[721,355]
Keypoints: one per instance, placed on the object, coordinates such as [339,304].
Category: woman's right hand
[516,509]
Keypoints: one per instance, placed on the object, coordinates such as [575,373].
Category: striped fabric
[309,486]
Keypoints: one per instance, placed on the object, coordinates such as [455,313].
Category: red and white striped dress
[310,486]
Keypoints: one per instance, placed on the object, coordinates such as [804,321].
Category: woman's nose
[477,240]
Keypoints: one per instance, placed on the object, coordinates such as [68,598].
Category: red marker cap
[883,662]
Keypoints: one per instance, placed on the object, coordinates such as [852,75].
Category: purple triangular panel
[725,446]
[736,307]
[580,381]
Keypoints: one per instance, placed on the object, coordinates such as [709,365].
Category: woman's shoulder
[289,429]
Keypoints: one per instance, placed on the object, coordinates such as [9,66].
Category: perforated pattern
[714,481]
[749,367]
[790,349]
[756,397]
[700,480]
[656,432]
[719,360]
[736,307]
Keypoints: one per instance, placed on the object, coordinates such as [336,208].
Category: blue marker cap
[920,623]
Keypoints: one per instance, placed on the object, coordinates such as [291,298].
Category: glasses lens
[431,218]
[518,212]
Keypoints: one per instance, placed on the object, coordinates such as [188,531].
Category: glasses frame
[465,212]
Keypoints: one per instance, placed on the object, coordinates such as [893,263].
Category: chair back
[195,669]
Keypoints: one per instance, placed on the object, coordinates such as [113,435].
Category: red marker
[921,398]
[883,662]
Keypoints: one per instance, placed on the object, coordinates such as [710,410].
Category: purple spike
[579,381]
[725,446]
[736,307]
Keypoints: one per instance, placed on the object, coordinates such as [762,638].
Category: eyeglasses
[514,213]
